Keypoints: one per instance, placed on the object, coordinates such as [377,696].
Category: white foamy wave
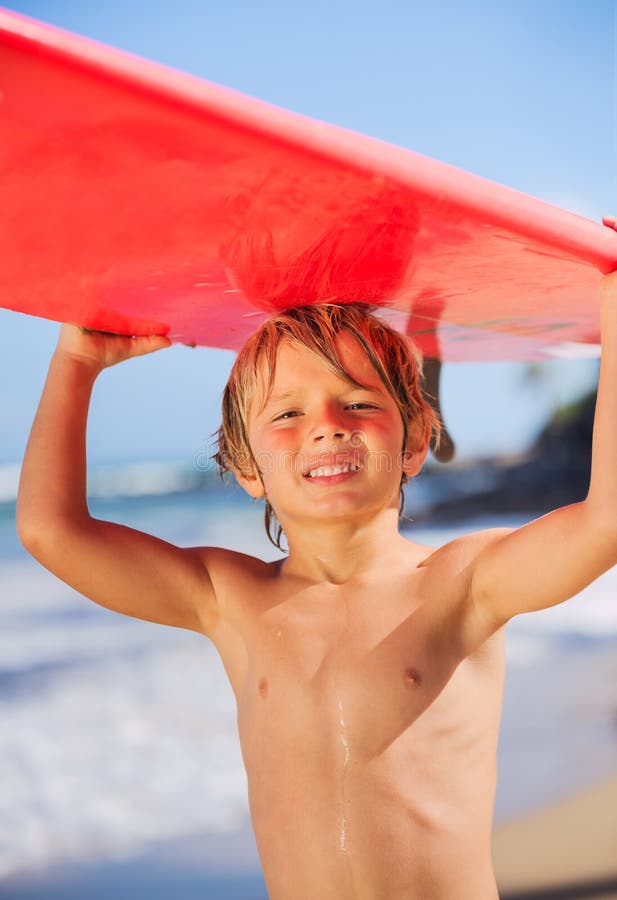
[592,613]
[525,650]
[59,643]
[143,479]
[43,622]
[9,480]
[128,753]
[27,588]
[136,479]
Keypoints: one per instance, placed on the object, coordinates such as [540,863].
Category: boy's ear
[414,457]
[251,482]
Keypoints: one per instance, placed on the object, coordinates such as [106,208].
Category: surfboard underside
[140,200]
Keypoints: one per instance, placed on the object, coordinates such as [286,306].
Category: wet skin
[368,734]
[370,746]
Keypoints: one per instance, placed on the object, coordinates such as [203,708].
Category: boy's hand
[100,350]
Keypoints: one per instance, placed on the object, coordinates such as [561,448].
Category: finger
[611,221]
[149,344]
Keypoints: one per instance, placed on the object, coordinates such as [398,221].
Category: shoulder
[234,575]
[237,581]
[222,563]
[462,551]
[471,545]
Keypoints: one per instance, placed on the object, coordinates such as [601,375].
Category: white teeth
[324,471]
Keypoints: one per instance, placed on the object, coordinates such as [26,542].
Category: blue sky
[519,91]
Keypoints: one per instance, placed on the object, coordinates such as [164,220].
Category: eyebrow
[276,398]
[273,399]
[286,395]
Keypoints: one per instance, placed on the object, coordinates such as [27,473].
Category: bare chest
[355,709]
[364,676]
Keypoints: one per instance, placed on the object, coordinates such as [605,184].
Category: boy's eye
[360,405]
[288,414]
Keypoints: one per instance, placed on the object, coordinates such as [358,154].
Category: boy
[367,669]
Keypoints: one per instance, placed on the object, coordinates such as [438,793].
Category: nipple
[412,677]
[262,687]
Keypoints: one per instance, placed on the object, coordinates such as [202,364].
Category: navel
[262,687]
[412,677]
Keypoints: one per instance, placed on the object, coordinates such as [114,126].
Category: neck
[340,551]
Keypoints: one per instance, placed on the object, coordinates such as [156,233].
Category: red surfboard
[137,199]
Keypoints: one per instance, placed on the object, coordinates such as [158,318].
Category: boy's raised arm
[553,558]
[117,567]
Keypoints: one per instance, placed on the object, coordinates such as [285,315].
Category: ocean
[119,736]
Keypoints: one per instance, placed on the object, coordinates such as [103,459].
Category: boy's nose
[329,426]
[322,433]
[329,423]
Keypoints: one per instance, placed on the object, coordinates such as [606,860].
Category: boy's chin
[336,510]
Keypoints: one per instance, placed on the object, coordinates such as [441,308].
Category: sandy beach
[567,850]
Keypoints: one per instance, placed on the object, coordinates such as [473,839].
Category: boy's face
[324,447]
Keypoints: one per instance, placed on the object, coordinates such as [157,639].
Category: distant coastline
[553,472]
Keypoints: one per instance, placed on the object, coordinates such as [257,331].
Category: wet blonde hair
[394,358]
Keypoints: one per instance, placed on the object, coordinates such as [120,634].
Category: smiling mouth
[328,471]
